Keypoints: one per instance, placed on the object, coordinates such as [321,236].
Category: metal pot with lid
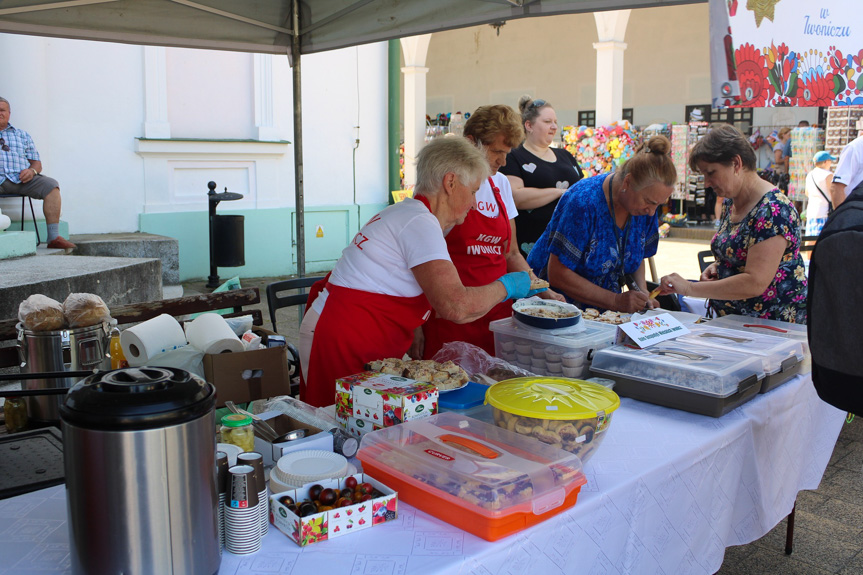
[139,454]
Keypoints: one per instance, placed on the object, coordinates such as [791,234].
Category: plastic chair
[276,301]
[705,258]
[32,213]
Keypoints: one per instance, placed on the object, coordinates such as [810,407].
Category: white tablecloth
[667,492]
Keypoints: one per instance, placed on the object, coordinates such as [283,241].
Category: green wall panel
[270,238]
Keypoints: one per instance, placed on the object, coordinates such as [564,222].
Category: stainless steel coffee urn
[139,448]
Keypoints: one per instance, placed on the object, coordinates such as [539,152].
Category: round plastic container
[569,414]
[237,430]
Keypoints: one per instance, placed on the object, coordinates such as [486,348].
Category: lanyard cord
[619,235]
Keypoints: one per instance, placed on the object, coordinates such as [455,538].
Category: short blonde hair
[444,155]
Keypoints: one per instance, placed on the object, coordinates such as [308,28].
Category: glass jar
[15,412]
[237,430]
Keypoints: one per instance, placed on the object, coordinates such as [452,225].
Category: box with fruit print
[359,427]
[384,399]
[332,507]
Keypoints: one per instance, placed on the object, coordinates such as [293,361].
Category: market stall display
[679,153]
[564,413]
[599,150]
[489,481]
[804,143]
[681,375]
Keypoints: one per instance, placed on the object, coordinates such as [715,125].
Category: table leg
[789,531]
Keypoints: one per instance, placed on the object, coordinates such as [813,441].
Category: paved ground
[828,534]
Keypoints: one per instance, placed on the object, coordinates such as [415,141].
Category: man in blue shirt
[21,173]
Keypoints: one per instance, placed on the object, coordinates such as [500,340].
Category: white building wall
[84,104]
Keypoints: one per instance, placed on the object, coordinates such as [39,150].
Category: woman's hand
[674,283]
[418,346]
[630,301]
[551,294]
[710,274]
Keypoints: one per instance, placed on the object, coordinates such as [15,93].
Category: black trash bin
[227,236]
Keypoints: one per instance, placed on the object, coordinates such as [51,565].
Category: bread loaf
[41,313]
[85,309]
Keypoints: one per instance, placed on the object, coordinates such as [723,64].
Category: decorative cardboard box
[336,522]
[383,399]
[249,375]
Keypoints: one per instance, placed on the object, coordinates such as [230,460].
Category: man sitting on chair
[20,173]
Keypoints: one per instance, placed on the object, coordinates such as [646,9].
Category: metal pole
[298,139]
[213,280]
[394,74]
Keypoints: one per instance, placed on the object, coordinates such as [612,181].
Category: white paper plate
[453,389]
[301,467]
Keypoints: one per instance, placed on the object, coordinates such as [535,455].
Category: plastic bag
[85,309]
[240,325]
[41,313]
[480,366]
[301,411]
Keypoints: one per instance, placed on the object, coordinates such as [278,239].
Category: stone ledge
[134,245]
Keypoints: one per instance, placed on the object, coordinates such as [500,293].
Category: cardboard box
[336,522]
[281,423]
[359,427]
[383,399]
[249,375]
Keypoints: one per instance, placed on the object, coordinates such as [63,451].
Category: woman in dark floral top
[758,270]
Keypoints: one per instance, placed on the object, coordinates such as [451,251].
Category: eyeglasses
[3,145]
[538,104]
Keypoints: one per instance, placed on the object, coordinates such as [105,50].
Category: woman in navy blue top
[602,230]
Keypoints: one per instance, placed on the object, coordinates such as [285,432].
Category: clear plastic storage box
[479,477]
[543,353]
[700,379]
[795,331]
[781,357]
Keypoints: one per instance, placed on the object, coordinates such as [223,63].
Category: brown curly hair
[488,122]
[651,163]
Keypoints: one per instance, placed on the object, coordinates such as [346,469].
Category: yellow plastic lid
[552,398]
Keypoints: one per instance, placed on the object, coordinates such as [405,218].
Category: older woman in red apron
[484,247]
[396,272]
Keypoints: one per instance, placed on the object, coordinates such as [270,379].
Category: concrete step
[704,232]
[115,280]
[134,245]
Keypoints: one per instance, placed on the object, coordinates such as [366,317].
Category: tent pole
[298,139]
[394,76]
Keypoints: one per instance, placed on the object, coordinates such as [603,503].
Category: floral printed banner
[768,53]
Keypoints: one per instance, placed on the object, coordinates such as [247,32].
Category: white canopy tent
[289,27]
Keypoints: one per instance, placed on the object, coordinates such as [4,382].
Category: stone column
[156,125]
[415,50]
[611,30]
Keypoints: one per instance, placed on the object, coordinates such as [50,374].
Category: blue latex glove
[536,291]
[517,284]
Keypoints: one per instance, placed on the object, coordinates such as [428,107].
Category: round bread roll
[85,309]
[41,313]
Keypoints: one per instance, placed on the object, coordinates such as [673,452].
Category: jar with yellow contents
[237,429]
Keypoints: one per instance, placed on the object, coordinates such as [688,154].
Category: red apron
[356,327]
[478,249]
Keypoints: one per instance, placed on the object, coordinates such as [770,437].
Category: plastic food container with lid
[795,331]
[781,357]
[694,378]
[543,353]
[479,477]
[569,414]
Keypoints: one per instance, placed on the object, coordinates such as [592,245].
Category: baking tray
[689,400]
[30,461]
[790,367]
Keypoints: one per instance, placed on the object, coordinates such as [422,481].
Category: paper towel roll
[152,337]
[210,333]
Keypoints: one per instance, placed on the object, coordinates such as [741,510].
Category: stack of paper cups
[150,338]
[210,333]
[222,484]
[242,517]
[256,460]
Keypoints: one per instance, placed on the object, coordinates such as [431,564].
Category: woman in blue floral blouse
[603,228]
[758,270]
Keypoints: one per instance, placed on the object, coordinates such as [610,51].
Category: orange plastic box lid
[484,479]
